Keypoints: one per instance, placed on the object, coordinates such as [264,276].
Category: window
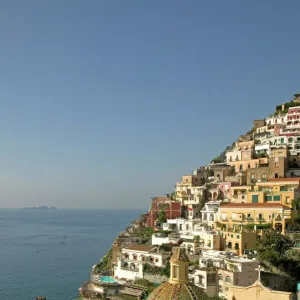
[156,260]
[227,279]
[254,198]
[243,197]
[268,198]
[237,236]
[248,215]
[187,227]
[249,280]
[241,167]
[232,235]
[220,289]
[252,176]
[287,200]
[260,217]
[220,277]
[237,281]
[236,246]
[276,198]
[175,272]
[264,176]
[134,257]
[248,166]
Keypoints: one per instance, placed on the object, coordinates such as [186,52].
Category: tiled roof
[240,205]
[145,248]
[169,291]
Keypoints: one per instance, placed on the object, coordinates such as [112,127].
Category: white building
[279,119]
[132,259]
[218,270]
[209,212]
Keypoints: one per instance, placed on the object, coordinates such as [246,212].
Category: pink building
[293,115]
[225,189]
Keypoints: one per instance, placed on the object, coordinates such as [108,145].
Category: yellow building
[282,191]
[236,214]
[237,241]
[256,292]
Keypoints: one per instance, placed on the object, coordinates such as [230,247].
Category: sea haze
[51,252]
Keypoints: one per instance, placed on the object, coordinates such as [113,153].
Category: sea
[51,252]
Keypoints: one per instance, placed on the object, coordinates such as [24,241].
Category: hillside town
[234,224]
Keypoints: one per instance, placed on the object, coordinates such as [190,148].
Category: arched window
[220,277]
[227,279]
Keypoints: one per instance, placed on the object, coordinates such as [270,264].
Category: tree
[161,217]
[217,159]
[296,204]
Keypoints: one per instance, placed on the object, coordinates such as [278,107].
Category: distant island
[41,208]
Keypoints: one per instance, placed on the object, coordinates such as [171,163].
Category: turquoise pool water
[107,279]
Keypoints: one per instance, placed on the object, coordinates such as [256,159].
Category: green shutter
[276,198]
[254,198]
[268,198]
[237,236]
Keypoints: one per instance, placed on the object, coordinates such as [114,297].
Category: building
[276,169]
[171,208]
[209,212]
[258,123]
[281,190]
[178,286]
[132,259]
[237,240]
[239,193]
[219,270]
[190,188]
[257,291]
[236,214]
[202,239]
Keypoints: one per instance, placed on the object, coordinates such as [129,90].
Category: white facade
[218,270]
[209,212]
[235,155]
[279,119]
[158,239]
[131,260]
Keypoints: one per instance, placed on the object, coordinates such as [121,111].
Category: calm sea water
[33,261]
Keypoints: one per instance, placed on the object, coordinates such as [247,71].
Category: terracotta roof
[145,248]
[284,179]
[240,205]
[184,291]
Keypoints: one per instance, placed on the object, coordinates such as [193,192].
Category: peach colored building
[256,291]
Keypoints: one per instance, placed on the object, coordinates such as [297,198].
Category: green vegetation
[162,216]
[275,253]
[144,232]
[217,159]
[164,271]
[145,284]
[105,263]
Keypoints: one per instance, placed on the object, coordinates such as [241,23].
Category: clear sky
[105,104]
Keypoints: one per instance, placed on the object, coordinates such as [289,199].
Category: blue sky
[105,104]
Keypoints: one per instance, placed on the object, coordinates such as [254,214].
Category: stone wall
[155,278]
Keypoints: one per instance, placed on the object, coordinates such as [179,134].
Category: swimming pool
[107,279]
